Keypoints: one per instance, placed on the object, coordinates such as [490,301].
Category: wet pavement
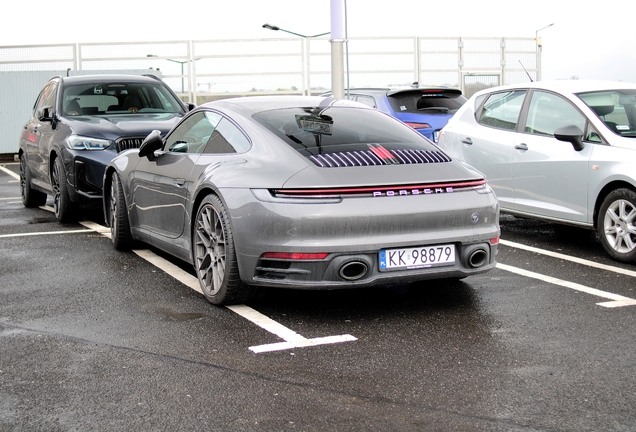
[96,339]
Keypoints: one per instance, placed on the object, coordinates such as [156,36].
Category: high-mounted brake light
[295,255]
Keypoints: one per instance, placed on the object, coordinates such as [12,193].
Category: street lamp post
[182,63]
[305,54]
[539,49]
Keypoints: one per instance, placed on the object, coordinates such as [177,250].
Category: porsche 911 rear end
[375,203]
[344,237]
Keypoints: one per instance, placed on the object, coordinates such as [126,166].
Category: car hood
[115,126]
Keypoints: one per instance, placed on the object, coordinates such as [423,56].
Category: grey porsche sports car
[301,192]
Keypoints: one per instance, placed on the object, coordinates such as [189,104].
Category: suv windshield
[118,98]
[616,108]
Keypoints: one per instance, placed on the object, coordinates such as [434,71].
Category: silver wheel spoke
[619,228]
[209,247]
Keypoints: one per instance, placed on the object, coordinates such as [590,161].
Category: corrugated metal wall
[17,96]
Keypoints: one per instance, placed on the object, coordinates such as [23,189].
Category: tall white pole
[337,43]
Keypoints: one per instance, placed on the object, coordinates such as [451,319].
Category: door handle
[467,141]
[179,182]
[522,146]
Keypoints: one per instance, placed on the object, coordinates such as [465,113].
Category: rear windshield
[118,98]
[427,102]
[616,108]
[314,131]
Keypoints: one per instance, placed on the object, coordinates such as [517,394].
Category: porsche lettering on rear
[425,191]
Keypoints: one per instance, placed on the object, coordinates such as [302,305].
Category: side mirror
[191,106]
[571,134]
[44,113]
[151,143]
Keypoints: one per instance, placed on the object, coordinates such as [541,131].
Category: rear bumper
[353,231]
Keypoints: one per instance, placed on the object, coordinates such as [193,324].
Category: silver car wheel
[619,228]
[209,250]
[214,255]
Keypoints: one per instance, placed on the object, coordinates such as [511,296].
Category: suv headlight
[77,142]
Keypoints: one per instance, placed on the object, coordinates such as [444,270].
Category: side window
[367,100]
[227,138]
[592,135]
[193,134]
[47,96]
[501,110]
[548,112]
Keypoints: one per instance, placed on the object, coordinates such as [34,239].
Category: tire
[214,255]
[120,233]
[65,209]
[30,197]
[616,225]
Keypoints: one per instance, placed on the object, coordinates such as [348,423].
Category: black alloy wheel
[30,197]
[65,209]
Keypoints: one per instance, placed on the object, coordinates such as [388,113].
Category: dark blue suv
[78,125]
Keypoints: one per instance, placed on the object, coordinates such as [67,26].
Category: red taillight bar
[295,255]
[371,189]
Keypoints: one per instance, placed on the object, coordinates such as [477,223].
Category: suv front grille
[370,157]
[127,143]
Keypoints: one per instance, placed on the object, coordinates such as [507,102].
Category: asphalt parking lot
[96,339]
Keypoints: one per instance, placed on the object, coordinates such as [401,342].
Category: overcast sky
[588,39]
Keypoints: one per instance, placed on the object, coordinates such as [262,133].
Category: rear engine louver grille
[370,158]
[128,143]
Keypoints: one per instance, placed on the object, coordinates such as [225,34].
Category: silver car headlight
[76,142]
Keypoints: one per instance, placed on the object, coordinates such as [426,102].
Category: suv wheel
[65,209]
[30,197]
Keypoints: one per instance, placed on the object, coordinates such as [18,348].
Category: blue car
[425,109]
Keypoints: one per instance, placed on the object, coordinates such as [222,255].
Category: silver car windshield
[616,108]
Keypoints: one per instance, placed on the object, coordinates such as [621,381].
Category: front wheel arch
[607,189]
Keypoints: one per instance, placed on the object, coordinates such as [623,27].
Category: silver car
[563,151]
[301,192]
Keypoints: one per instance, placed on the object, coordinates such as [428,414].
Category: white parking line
[291,338]
[617,300]
[45,233]
[569,258]
[11,173]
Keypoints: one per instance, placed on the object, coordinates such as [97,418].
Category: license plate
[417,257]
